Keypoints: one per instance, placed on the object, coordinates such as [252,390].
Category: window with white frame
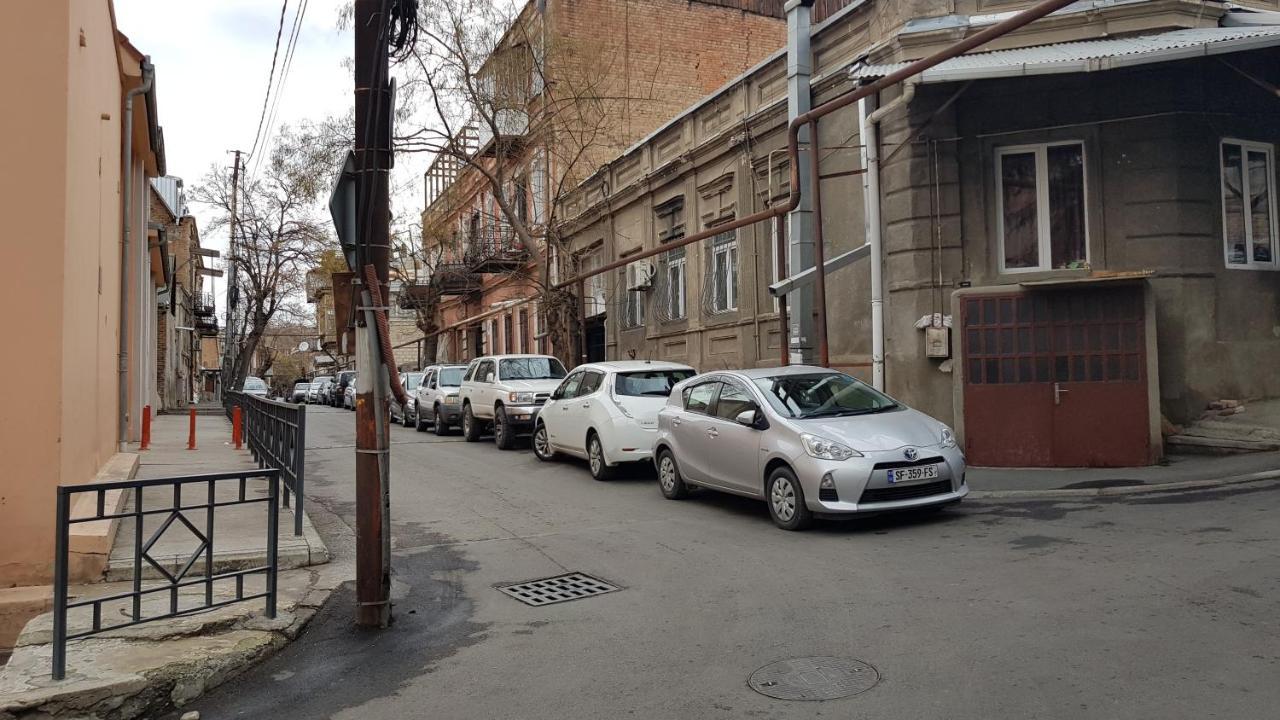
[595,285]
[671,285]
[723,285]
[1249,205]
[632,304]
[1040,207]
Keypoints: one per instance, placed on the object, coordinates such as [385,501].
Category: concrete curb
[148,670]
[1086,493]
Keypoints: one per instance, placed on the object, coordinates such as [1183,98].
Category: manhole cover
[561,588]
[814,678]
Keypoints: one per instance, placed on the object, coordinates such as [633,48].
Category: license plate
[920,472]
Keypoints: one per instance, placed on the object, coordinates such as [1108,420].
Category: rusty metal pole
[372,151]
[784,324]
[819,253]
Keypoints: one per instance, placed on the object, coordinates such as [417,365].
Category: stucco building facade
[1076,225]
[80,290]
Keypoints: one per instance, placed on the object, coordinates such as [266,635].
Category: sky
[212,59]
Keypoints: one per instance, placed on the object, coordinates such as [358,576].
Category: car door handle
[712,432]
[586,404]
[675,422]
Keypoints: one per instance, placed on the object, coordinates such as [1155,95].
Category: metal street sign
[342,206]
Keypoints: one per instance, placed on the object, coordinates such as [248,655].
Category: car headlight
[451,399]
[948,437]
[825,449]
[520,398]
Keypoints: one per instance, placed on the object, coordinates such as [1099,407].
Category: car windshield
[655,383]
[822,395]
[533,368]
[451,377]
[412,380]
[253,383]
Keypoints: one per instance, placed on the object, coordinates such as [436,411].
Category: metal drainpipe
[148,77]
[870,120]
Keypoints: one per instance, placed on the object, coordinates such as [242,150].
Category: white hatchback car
[607,413]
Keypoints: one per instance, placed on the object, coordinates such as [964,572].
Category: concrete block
[17,606]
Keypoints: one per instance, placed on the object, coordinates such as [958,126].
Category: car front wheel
[437,425]
[786,501]
[405,418]
[669,480]
[502,435]
[470,426]
[418,423]
[542,444]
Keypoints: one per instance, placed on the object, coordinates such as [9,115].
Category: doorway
[1056,378]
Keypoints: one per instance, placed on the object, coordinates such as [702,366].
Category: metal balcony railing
[203,304]
[495,249]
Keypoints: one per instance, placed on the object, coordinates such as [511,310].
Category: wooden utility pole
[373,162]
[229,356]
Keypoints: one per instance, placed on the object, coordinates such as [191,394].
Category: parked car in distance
[404,415]
[255,386]
[438,400]
[349,395]
[299,392]
[506,391]
[339,389]
[810,441]
[607,413]
[317,385]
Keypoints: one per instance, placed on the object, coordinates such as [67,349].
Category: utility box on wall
[937,342]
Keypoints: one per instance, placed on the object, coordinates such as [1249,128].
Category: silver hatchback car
[810,441]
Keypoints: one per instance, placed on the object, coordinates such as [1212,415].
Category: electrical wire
[286,67]
[270,78]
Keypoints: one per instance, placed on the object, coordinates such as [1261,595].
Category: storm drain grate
[558,589]
[814,678]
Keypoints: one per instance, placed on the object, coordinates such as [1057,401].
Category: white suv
[506,391]
[607,413]
[438,403]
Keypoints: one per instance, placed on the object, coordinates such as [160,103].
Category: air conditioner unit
[640,275]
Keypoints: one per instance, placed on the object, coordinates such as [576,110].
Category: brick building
[634,65]
[1069,225]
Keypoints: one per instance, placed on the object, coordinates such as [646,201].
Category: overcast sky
[212,60]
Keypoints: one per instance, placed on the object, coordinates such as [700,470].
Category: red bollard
[191,435]
[237,425]
[146,428]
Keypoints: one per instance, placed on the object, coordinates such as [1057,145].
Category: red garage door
[1056,378]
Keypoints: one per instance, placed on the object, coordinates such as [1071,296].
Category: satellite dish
[304,346]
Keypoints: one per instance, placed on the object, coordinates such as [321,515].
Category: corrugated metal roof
[1089,55]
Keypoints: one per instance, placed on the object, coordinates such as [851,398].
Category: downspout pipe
[869,129]
[148,78]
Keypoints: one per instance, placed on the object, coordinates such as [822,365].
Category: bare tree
[279,229]
[509,105]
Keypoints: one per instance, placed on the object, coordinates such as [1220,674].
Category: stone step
[1233,431]
[1217,446]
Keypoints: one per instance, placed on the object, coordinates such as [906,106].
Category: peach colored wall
[62,245]
[33,137]
[90,317]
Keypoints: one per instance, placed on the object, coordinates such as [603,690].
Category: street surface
[1155,607]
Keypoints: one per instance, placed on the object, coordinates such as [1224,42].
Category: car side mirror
[747,417]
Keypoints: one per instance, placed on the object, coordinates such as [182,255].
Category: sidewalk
[1183,472]
[141,671]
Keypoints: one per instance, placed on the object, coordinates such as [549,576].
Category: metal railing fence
[276,433]
[176,512]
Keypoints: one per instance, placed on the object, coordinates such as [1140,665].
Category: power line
[270,78]
[280,85]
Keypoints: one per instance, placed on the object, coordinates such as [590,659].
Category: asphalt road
[1155,607]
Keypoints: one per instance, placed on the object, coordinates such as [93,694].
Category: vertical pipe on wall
[148,76]
[871,214]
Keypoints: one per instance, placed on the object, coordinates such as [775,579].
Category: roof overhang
[1095,278]
[1088,55]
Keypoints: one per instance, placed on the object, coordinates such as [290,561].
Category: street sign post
[342,207]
